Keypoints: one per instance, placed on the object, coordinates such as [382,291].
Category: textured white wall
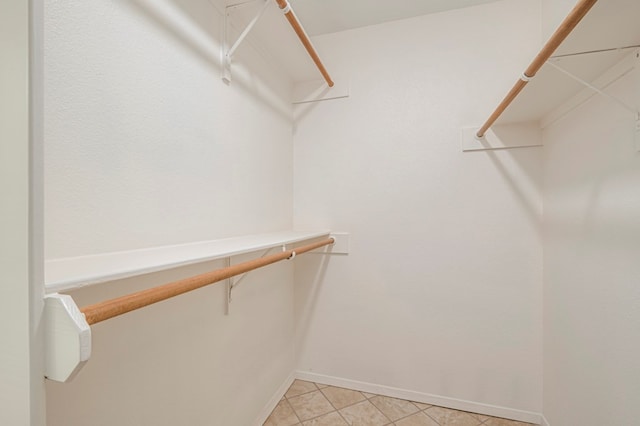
[146,146]
[441,293]
[553,13]
[591,252]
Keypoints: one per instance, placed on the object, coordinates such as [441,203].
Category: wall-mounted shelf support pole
[227,52]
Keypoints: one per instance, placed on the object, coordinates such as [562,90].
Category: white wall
[21,361]
[591,241]
[441,293]
[146,146]
[553,13]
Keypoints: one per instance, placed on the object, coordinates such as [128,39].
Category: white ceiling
[327,16]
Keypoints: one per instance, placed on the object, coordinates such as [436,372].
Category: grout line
[338,411]
[346,406]
[294,411]
[425,412]
[342,417]
[376,407]
[300,394]
[394,421]
[330,403]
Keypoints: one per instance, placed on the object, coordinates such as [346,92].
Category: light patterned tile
[448,417]
[331,419]
[298,387]
[341,397]
[310,405]
[496,421]
[394,408]
[418,419]
[282,415]
[421,405]
[480,417]
[321,386]
[368,395]
[364,414]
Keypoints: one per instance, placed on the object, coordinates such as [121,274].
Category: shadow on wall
[309,289]
[600,190]
[200,31]
[527,185]
[304,108]
[532,209]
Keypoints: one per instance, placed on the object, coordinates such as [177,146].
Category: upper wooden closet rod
[121,305]
[288,13]
[565,28]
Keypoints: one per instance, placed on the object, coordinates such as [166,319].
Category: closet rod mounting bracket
[227,50]
[67,338]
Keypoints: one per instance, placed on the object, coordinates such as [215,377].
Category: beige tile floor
[311,404]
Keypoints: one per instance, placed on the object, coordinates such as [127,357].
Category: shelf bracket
[634,111]
[231,283]
[596,89]
[228,51]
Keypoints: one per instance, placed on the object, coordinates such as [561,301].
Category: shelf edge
[69,281]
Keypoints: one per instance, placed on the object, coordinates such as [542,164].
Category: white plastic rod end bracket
[67,338]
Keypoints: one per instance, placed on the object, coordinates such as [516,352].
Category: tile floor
[311,404]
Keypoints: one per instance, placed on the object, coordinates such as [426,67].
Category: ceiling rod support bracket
[599,91]
[228,51]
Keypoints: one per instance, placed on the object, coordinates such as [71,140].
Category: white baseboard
[545,422]
[425,398]
[275,399]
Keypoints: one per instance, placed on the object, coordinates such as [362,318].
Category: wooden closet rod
[111,308]
[291,17]
[565,28]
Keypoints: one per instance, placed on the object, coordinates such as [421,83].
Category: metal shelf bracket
[227,49]
[233,283]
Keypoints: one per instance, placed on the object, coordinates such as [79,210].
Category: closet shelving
[599,50]
[75,272]
[286,45]
[68,327]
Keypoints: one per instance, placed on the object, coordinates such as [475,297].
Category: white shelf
[76,272]
[609,24]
